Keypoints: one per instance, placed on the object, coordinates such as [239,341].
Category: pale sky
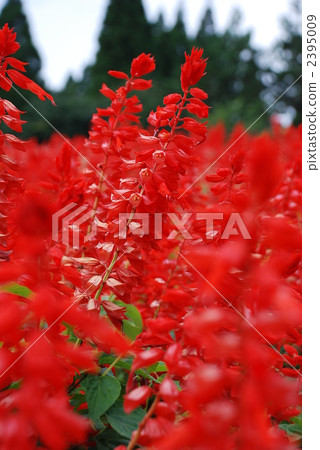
[65,32]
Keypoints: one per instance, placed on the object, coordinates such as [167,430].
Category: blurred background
[254,53]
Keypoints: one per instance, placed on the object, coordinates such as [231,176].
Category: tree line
[239,82]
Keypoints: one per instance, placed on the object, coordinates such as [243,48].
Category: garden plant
[150,276]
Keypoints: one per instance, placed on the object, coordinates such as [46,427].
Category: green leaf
[297,420]
[123,363]
[126,363]
[101,393]
[130,330]
[98,425]
[77,400]
[158,367]
[134,315]
[70,333]
[147,375]
[124,423]
[134,325]
[17,289]
[292,428]
[109,298]
[109,439]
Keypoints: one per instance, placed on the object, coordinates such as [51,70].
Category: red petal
[14,62]
[198,93]
[136,398]
[168,390]
[147,358]
[25,83]
[118,74]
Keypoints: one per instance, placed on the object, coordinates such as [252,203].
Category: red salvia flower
[134,309]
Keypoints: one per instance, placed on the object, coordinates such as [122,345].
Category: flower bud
[145,174]
[164,135]
[135,199]
[159,156]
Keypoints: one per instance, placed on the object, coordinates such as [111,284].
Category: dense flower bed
[184,334]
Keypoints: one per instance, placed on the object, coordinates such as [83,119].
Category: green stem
[112,365]
[106,275]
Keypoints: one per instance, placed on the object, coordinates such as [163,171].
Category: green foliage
[288,52]
[74,109]
[232,83]
[101,392]
[16,289]
[124,423]
[294,427]
[132,326]
[125,363]
[70,333]
[77,400]
[125,33]
[158,367]
[109,439]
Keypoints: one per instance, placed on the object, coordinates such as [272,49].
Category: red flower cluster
[131,337]
[10,115]
[37,359]
[8,46]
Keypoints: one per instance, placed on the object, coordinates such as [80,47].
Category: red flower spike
[8,46]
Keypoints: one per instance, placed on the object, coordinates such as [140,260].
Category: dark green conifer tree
[288,55]
[232,83]
[125,33]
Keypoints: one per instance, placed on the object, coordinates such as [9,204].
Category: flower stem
[136,435]
[112,365]
[106,275]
